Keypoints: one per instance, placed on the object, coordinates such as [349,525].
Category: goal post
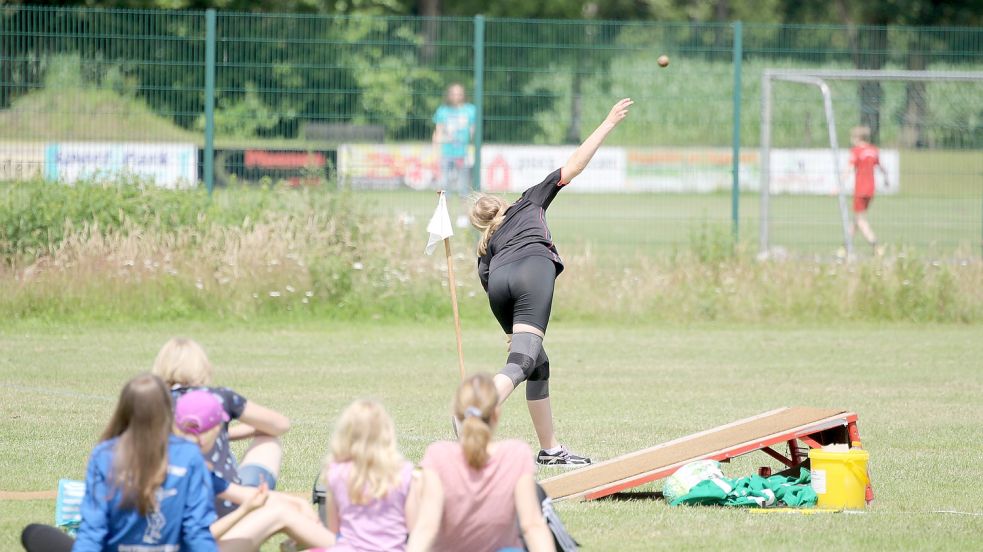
[818,78]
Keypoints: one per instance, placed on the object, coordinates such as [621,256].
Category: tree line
[868,12]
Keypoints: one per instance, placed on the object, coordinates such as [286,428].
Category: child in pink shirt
[371,489]
[478,494]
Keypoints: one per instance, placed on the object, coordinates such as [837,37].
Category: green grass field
[617,388]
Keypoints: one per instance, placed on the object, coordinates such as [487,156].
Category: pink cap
[199,411]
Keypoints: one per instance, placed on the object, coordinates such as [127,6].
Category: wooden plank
[722,455]
[702,444]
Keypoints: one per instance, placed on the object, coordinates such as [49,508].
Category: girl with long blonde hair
[371,490]
[475,489]
[517,266]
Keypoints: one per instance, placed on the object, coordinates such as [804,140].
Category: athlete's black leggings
[521,292]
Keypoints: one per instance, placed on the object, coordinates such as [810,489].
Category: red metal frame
[855,442]
[806,434]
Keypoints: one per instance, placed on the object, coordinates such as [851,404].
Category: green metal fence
[350,101]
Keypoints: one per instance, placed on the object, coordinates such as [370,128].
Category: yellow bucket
[840,478]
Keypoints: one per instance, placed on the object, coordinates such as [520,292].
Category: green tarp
[754,491]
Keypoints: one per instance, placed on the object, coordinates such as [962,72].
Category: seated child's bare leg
[258,526]
[265,451]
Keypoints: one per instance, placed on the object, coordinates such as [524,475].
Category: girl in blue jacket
[145,489]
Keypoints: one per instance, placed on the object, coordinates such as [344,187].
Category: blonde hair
[366,437]
[183,362]
[487,214]
[860,133]
[474,406]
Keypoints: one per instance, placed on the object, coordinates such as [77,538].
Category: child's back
[479,505]
[184,510]
[380,524]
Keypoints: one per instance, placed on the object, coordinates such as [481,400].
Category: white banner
[811,171]
[21,161]
[688,170]
[515,168]
[507,168]
[166,165]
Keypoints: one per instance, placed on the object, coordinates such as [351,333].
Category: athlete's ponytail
[474,407]
[487,214]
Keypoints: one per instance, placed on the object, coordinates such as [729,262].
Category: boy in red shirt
[864,156]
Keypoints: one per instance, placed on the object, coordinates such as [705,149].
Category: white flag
[439,225]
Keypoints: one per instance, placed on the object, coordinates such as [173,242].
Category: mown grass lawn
[617,388]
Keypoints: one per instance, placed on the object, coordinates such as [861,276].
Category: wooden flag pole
[452,283]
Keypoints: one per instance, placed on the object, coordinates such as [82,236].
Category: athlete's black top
[523,233]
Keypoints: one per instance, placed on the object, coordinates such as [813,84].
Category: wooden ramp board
[727,441]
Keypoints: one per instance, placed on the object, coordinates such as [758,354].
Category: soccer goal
[804,158]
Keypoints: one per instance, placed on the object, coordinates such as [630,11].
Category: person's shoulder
[226,394]
[438,447]
[179,447]
[108,444]
[441,451]
[104,449]
[183,456]
[338,470]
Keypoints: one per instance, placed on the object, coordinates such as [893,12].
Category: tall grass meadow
[124,251]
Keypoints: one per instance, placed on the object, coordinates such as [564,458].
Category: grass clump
[108,252]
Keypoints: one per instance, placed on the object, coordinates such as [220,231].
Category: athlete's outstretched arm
[580,158]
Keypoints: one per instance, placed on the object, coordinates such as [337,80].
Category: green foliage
[80,101]
[245,117]
[391,82]
[124,252]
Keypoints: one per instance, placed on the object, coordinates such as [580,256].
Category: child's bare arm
[255,500]
[431,510]
[534,529]
[265,420]
[412,506]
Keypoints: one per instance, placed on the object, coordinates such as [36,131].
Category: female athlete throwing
[517,265]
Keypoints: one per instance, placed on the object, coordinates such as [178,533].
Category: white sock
[554,450]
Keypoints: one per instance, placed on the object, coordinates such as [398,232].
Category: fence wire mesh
[354,102]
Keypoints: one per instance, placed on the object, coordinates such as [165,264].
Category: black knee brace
[538,385]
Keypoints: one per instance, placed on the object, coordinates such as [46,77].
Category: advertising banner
[515,168]
[21,161]
[504,168]
[166,165]
[688,170]
[388,166]
[507,168]
[811,171]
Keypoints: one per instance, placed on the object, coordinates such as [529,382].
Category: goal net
[928,127]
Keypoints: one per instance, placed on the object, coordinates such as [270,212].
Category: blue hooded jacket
[181,522]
